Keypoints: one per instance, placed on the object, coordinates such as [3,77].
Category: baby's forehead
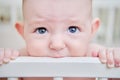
[56,9]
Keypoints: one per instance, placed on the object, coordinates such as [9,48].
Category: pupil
[41,30]
[72,29]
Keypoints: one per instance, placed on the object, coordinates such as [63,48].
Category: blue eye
[41,30]
[73,29]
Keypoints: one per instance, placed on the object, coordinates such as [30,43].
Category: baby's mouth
[58,55]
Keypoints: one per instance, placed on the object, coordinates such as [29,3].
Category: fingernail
[110,65]
[6,60]
[1,62]
[104,61]
[13,58]
[117,65]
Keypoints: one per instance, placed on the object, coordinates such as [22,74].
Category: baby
[60,28]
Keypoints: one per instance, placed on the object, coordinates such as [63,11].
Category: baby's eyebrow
[73,19]
[76,21]
[36,22]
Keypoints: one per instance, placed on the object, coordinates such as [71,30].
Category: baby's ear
[95,25]
[20,28]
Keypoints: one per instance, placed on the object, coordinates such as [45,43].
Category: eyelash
[71,29]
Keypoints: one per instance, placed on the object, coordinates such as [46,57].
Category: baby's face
[57,28]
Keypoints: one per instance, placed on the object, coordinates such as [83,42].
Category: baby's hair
[90,8]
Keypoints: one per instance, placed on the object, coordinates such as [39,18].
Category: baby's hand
[110,56]
[7,54]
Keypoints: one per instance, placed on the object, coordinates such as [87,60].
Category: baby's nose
[57,43]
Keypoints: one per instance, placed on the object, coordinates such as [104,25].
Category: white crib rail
[57,68]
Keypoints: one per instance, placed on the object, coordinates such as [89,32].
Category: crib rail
[58,68]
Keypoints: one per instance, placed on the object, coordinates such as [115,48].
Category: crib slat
[57,78]
[12,79]
[57,67]
[102,79]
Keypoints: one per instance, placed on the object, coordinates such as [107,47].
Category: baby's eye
[41,30]
[73,29]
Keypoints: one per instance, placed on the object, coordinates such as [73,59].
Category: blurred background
[107,10]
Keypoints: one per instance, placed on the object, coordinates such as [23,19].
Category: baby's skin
[58,29]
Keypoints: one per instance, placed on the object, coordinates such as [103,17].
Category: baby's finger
[102,56]
[1,55]
[110,59]
[15,54]
[117,57]
[7,55]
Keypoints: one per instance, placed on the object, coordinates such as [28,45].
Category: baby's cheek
[36,50]
[77,48]
[79,52]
